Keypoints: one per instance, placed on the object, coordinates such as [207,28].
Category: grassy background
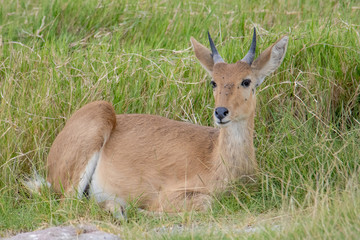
[56,56]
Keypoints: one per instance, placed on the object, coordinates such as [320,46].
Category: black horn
[249,58]
[215,54]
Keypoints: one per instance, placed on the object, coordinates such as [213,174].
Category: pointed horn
[249,58]
[215,54]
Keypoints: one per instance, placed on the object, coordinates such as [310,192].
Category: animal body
[166,165]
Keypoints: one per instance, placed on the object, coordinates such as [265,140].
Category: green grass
[56,56]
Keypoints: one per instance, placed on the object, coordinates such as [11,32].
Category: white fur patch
[238,133]
[87,174]
[35,183]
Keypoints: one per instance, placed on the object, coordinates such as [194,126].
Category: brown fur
[164,164]
[80,138]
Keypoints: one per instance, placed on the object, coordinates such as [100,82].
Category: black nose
[221,113]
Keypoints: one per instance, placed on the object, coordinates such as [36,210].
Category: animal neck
[235,158]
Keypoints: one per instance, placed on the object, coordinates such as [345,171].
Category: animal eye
[213,84]
[246,82]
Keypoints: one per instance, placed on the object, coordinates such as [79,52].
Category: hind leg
[107,200]
[74,154]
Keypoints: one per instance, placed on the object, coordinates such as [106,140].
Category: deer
[163,164]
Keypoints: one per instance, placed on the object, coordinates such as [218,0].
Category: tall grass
[56,56]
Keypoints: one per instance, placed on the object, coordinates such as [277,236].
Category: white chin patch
[223,123]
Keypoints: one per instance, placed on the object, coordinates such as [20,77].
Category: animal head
[234,84]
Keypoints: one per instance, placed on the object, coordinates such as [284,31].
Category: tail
[74,155]
[35,183]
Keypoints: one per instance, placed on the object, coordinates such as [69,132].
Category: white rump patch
[87,174]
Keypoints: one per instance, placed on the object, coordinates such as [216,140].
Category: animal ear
[203,55]
[269,60]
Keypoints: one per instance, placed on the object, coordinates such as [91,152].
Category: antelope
[163,164]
